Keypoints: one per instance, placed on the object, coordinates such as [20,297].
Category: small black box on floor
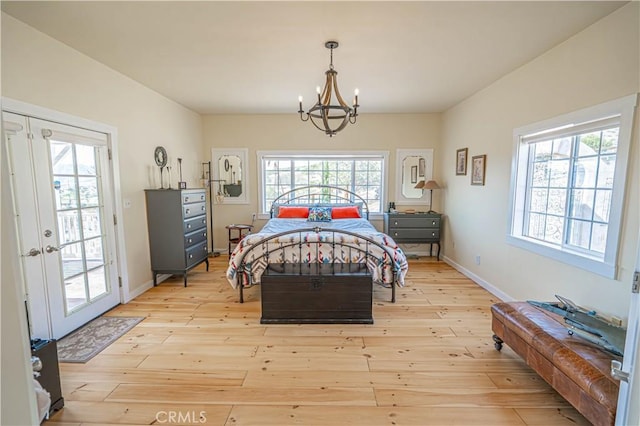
[316,293]
[47,351]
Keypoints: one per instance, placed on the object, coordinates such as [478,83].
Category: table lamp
[430,185]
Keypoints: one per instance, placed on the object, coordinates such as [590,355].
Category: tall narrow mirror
[413,166]
[230,175]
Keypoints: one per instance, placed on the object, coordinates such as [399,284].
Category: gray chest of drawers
[177,221]
[418,228]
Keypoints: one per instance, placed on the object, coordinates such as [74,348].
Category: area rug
[93,337]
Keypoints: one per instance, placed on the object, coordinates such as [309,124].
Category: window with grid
[568,185]
[362,173]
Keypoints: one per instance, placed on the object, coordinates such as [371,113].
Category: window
[360,172]
[568,185]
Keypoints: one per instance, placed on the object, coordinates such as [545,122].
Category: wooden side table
[242,231]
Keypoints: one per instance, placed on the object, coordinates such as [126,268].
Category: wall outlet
[477,259]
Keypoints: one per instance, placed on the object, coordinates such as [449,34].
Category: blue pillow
[319,214]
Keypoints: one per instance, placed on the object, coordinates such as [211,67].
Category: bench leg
[497,342]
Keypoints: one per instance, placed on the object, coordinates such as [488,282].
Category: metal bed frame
[331,195]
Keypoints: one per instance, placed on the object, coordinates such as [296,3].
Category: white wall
[372,132]
[40,70]
[596,65]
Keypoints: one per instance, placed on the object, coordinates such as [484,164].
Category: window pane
[91,223]
[589,144]
[606,171]
[86,160]
[68,226]
[557,201]
[559,173]
[62,159]
[542,151]
[610,141]
[582,203]
[579,233]
[535,228]
[88,191]
[65,192]
[585,171]
[602,206]
[540,173]
[599,237]
[554,229]
[539,200]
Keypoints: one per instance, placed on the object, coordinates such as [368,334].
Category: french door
[64,214]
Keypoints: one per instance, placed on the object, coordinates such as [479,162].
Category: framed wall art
[461,161]
[478,169]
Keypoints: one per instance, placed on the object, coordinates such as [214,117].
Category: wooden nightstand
[417,228]
[242,231]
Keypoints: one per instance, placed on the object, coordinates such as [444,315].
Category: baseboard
[478,280]
[144,287]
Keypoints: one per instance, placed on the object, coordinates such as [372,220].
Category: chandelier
[327,117]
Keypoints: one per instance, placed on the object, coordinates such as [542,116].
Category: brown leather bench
[577,369]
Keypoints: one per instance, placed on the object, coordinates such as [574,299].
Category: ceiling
[242,57]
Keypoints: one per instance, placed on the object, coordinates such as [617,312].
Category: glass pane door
[79,215]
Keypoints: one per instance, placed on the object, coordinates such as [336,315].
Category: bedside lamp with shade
[430,185]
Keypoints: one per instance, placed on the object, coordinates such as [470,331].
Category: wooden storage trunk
[295,293]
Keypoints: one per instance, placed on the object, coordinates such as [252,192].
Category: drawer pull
[204,234]
[433,223]
[204,248]
[395,234]
[190,256]
[186,199]
[187,211]
[202,208]
[188,226]
[190,240]
[202,198]
[395,222]
[433,234]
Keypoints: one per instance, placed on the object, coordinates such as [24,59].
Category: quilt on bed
[318,247]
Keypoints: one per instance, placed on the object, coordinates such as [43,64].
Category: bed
[300,232]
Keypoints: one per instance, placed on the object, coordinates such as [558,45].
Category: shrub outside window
[568,185]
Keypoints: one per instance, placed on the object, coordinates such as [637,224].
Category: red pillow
[293,212]
[350,212]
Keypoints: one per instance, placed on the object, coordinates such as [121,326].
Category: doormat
[93,337]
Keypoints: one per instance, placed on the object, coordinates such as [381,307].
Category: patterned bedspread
[312,247]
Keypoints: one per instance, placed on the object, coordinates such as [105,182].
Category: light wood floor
[203,358]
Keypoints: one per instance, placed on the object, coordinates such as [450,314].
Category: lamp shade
[419,185]
[432,184]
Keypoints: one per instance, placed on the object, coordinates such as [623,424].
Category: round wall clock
[160,156]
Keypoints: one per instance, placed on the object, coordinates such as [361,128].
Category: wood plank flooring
[200,357]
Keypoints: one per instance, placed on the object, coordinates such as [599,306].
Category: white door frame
[23,108]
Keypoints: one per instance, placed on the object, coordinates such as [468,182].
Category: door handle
[51,249]
[33,252]
[616,371]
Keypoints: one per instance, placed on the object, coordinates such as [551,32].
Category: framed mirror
[412,167]
[230,169]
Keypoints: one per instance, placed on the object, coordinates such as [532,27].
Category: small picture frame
[461,161]
[414,174]
[182,185]
[478,169]
[421,167]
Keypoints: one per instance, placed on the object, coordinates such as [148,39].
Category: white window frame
[605,265]
[347,154]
